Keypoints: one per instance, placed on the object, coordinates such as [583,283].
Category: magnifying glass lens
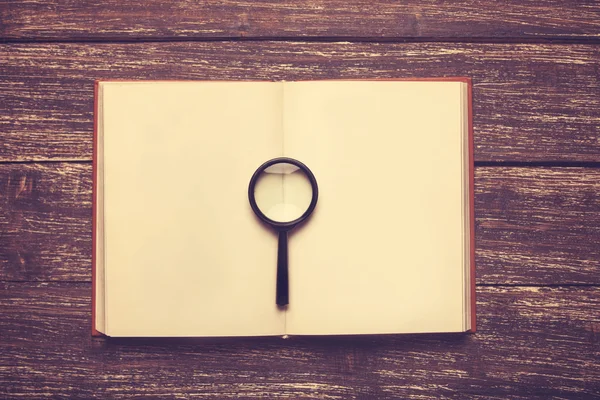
[283,192]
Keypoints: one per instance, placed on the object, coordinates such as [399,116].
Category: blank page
[184,254]
[383,250]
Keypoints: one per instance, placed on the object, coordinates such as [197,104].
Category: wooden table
[536,72]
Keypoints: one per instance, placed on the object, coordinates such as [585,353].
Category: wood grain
[533,225]
[531,343]
[45,221]
[537,225]
[531,102]
[111,19]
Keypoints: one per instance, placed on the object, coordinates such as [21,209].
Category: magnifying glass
[283,193]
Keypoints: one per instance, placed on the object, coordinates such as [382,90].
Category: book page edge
[473,316]
[97,287]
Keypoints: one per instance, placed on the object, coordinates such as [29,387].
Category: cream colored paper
[383,251]
[184,254]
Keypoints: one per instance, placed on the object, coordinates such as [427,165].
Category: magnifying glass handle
[282,295]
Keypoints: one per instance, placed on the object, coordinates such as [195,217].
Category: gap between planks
[482,285]
[516,164]
[585,40]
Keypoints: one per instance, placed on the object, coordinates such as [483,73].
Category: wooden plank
[112,19]
[531,343]
[45,221]
[537,225]
[533,225]
[531,102]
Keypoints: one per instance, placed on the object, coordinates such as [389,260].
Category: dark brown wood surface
[532,102]
[533,342]
[536,72]
[377,19]
[534,226]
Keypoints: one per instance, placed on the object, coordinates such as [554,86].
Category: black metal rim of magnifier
[283,226]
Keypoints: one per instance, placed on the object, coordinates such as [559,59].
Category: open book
[179,252]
